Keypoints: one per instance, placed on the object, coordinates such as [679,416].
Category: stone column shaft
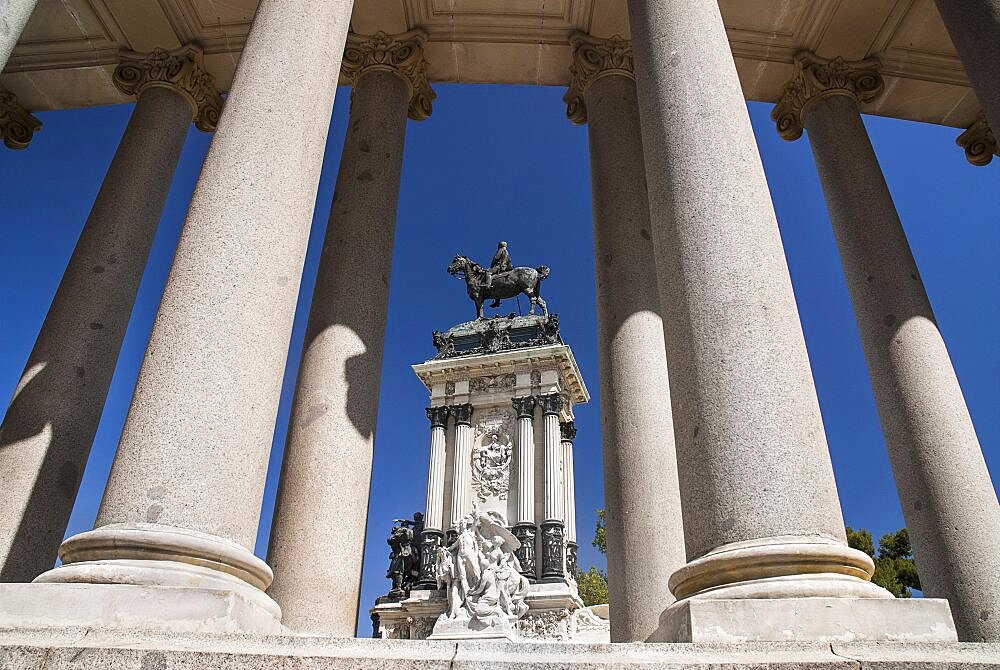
[14,15]
[434,510]
[555,496]
[317,568]
[461,485]
[49,428]
[188,478]
[756,479]
[974,27]
[642,496]
[525,528]
[568,431]
[552,526]
[947,497]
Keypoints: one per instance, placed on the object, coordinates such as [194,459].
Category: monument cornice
[17,125]
[182,71]
[979,142]
[594,58]
[402,55]
[817,78]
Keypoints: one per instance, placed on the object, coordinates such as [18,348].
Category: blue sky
[502,162]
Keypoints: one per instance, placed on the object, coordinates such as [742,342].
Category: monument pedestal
[463,628]
[713,621]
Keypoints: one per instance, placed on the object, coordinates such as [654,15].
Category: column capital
[594,58]
[551,403]
[462,414]
[524,406]
[817,78]
[182,71]
[567,429]
[438,416]
[17,125]
[979,142]
[402,54]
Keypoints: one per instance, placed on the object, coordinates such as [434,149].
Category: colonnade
[721,479]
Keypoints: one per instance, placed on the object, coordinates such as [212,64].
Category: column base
[149,576]
[526,534]
[713,620]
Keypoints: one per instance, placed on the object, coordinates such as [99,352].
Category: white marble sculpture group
[485,587]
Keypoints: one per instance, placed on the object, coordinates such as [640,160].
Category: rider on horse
[501,263]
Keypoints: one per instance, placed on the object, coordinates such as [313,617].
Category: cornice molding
[181,71]
[17,125]
[593,59]
[401,54]
[817,78]
[979,142]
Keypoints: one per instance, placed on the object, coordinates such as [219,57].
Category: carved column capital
[524,406]
[462,414]
[402,54]
[979,142]
[438,416]
[567,429]
[817,78]
[180,71]
[594,58]
[551,403]
[17,125]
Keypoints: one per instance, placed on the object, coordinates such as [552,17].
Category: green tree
[895,570]
[593,584]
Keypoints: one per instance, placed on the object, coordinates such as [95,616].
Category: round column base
[789,566]
[154,555]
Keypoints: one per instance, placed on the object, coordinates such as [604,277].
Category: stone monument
[500,486]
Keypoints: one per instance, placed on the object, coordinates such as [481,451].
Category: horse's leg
[479,308]
[545,308]
[531,297]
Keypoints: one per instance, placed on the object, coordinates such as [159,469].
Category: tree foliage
[592,585]
[600,534]
[895,570]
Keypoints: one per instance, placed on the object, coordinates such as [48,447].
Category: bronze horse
[505,284]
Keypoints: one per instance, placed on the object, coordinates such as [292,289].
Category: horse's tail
[543,272]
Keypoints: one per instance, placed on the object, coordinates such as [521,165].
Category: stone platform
[93,649]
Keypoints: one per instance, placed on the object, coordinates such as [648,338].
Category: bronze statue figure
[492,283]
[404,560]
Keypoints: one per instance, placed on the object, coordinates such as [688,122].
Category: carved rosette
[181,71]
[402,54]
[438,416]
[17,125]
[594,58]
[551,403]
[979,142]
[524,406]
[817,78]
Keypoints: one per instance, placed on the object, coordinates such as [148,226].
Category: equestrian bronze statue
[488,284]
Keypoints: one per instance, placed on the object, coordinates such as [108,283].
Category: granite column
[14,15]
[567,431]
[974,27]
[183,500]
[49,428]
[553,525]
[762,518]
[461,485]
[317,568]
[948,500]
[433,534]
[640,463]
[525,529]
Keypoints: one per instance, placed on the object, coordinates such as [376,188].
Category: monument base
[135,607]
[806,619]
[463,628]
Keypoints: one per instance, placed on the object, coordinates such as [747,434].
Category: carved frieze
[491,465]
[979,142]
[181,71]
[402,55]
[17,126]
[493,384]
[551,625]
[594,58]
[816,78]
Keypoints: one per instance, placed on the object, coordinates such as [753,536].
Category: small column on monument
[461,485]
[947,497]
[433,533]
[17,125]
[567,432]
[14,15]
[525,529]
[974,28]
[552,527]
[331,433]
[640,462]
[49,428]
[182,504]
